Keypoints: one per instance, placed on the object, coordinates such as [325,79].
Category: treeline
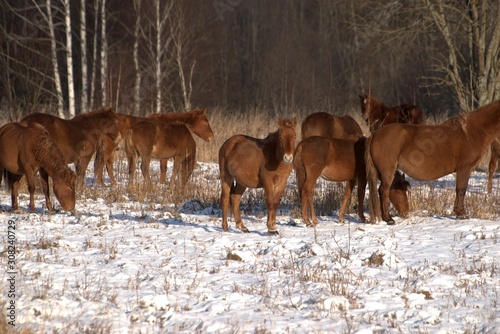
[143,56]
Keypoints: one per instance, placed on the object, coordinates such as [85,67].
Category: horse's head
[286,135]
[399,193]
[64,189]
[200,126]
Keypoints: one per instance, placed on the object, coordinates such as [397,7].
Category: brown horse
[339,160]
[428,152]
[196,120]
[378,114]
[26,149]
[325,125]
[78,137]
[492,167]
[256,163]
[151,139]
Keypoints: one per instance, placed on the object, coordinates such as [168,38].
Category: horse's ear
[294,122]
[280,122]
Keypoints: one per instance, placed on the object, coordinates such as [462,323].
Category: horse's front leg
[461,188]
[347,196]
[273,197]
[31,179]
[44,178]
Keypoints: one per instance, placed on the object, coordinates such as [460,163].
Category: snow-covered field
[123,266]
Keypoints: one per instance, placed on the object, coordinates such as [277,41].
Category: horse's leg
[99,160]
[309,186]
[44,179]
[361,196]
[31,180]
[224,199]
[492,167]
[176,174]
[385,187]
[13,182]
[163,171]
[347,196]
[145,160]
[236,192]
[132,165]
[305,198]
[273,197]
[462,182]
[109,166]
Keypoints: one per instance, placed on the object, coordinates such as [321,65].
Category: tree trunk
[104,55]
[83,45]
[69,60]
[55,66]
[138,76]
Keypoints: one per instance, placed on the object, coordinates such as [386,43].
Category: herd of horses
[331,147]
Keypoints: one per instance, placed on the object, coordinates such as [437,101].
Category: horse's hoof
[391,222]
[272,233]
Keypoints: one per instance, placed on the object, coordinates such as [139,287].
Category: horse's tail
[372,177]
[300,171]
[99,160]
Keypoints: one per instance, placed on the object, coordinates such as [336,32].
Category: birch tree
[162,43]
[138,74]
[83,50]
[104,55]
[55,66]
[473,47]
[69,60]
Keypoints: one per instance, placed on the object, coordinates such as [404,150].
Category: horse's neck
[483,125]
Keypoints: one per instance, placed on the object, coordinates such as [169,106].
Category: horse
[196,120]
[428,152]
[338,160]
[492,166]
[77,138]
[247,162]
[378,114]
[326,125]
[25,150]
[151,139]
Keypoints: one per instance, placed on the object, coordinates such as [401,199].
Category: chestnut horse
[247,162]
[492,167]
[428,152]
[378,114]
[26,149]
[325,125]
[159,140]
[339,160]
[196,120]
[78,137]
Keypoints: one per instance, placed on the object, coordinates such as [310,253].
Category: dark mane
[94,114]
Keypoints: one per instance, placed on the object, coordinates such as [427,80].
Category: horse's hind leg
[145,160]
[347,196]
[224,199]
[44,178]
[163,171]
[384,190]
[461,188]
[236,192]
[492,167]
[13,182]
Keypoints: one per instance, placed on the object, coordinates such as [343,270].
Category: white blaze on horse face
[288,159]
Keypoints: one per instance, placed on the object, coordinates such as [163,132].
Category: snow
[121,266]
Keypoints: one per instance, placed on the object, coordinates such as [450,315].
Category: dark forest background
[158,55]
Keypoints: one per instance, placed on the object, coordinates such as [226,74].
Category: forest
[71,56]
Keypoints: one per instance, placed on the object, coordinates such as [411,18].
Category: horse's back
[326,125]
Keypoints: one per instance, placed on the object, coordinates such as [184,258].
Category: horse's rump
[326,125]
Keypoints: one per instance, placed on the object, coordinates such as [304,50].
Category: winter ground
[121,266]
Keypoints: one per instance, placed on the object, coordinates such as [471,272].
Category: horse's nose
[288,158]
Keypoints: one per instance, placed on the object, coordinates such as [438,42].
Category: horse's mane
[50,158]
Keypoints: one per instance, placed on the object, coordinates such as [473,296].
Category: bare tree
[104,55]
[138,74]
[83,50]
[471,32]
[55,66]
[69,59]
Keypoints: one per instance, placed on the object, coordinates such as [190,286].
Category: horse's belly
[337,174]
